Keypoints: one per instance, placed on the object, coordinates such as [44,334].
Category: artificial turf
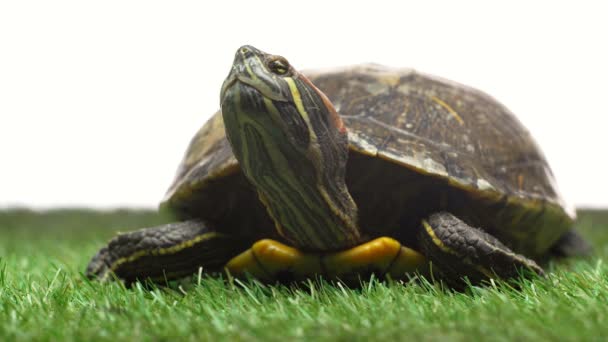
[44,296]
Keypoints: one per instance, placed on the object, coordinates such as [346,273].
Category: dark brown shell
[464,151]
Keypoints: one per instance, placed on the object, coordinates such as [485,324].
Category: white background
[98,100]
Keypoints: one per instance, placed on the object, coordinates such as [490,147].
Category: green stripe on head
[292,146]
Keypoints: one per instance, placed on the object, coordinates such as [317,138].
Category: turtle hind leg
[165,252]
[571,244]
[457,250]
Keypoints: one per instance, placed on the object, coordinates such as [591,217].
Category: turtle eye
[279,66]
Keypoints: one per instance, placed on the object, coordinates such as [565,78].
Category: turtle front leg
[165,252]
[456,250]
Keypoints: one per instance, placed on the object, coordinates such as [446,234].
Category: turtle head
[261,71]
[292,146]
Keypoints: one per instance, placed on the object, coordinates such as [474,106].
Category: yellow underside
[269,259]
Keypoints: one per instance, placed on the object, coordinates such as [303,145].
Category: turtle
[349,171]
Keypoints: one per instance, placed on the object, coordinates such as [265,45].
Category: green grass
[43,296]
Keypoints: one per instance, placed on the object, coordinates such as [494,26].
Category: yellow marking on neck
[277,224]
[448,108]
[345,218]
[314,150]
[162,251]
[297,98]
[280,160]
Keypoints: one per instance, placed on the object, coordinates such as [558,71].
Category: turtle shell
[418,144]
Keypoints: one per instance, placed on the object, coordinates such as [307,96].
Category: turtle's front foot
[457,250]
[271,260]
[99,265]
[163,253]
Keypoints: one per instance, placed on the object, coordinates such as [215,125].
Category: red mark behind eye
[335,117]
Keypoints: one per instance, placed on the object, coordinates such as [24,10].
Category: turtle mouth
[239,91]
[228,83]
[261,88]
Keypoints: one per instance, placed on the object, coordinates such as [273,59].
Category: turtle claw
[98,267]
